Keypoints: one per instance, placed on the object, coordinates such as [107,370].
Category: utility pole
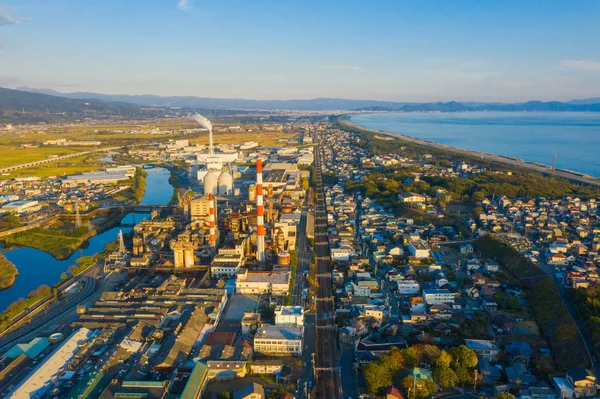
[475,385]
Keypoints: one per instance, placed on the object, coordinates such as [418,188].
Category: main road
[327,372]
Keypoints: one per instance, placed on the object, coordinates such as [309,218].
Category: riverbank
[8,273]
[42,268]
[344,122]
[60,245]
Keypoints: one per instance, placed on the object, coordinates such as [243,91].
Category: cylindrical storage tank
[286,209]
[188,256]
[225,183]
[57,337]
[211,181]
[252,192]
[284,258]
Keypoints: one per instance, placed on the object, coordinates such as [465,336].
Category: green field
[61,246]
[8,273]
[12,155]
[85,163]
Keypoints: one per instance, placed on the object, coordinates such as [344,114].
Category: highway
[58,158]
[327,372]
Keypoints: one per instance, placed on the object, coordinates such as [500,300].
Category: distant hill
[586,101]
[17,106]
[325,104]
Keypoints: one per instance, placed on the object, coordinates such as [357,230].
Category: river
[38,267]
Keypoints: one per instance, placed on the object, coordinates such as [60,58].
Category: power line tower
[77,215]
[554,167]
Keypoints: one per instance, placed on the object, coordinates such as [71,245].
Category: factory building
[21,207]
[276,283]
[289,316]
[278,340]
[40,380]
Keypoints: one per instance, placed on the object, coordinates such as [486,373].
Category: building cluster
[561,234]
[72,143]
[400,282]
[37,199]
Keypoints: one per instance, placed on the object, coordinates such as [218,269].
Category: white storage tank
[211,183]
[225,183]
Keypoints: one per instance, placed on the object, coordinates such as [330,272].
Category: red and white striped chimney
[211,223]
[260,222]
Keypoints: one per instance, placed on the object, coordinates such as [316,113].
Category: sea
[574,137]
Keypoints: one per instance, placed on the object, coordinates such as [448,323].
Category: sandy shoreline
[547,170]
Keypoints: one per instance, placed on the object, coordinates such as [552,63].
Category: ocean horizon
[574,137]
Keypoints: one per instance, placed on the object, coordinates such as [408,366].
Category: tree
[424,388]
[411,356]
[505,395]
[430,352]
[464,356]
[377,377]
[444,359]
[64,276]
[393,360]
[445,377]
[462,374]
[305,183]
[225,395]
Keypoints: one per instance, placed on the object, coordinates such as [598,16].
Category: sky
[393,50]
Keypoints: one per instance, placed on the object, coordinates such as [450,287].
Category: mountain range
[132,103]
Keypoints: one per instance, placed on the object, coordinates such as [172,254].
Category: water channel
[38,267]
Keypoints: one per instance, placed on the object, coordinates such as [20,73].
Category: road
[349,373]
[88,279]
[581,327]
[303,257]
[58,158]
[307,356]
[327,373]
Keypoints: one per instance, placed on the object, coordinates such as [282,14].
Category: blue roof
[31,349]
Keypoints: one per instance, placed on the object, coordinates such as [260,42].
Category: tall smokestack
[260,223]
[205,123]
[211,223]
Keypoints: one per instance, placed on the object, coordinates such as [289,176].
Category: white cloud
[7,19]
[345,68]
[184,5]
[584,65]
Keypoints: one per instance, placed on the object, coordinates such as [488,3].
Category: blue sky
[386,50]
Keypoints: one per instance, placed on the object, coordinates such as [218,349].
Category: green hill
[18,106]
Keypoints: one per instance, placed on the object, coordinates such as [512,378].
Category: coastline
[344,120]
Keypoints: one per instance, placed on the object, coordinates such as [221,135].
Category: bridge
[144,207]
[54,159]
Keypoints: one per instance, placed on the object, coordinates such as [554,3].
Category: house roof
[420,373]
[248,390]
[393,392]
